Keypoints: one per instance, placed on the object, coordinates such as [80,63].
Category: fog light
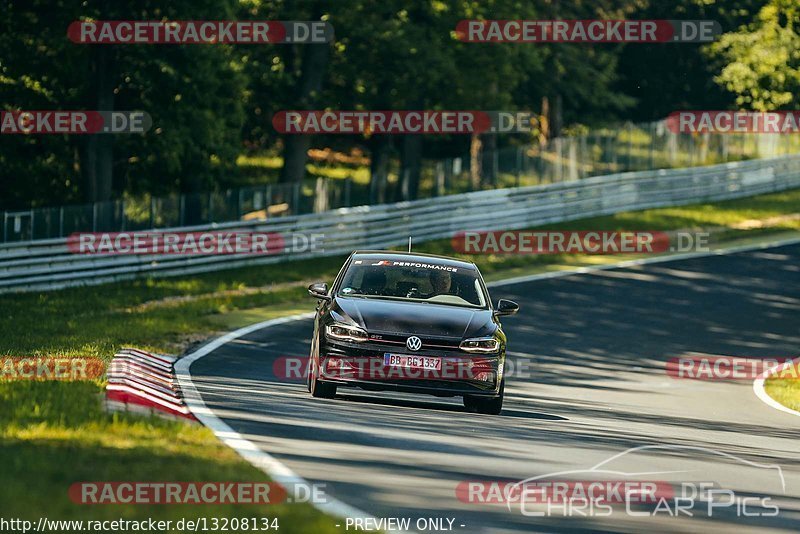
[485,376]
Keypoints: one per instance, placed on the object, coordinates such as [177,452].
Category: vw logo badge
[413,343]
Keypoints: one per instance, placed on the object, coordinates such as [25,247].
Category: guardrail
[48,264]
[624,148]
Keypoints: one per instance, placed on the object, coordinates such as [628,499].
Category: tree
[665,77]
[194,94]
[761,61]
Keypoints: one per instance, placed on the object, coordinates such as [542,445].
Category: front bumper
[363,365]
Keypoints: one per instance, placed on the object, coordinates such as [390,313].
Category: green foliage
[211,103]
[193,93]
[762,59]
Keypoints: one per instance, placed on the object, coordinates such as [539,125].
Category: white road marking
[758,387]
[277,471]
[281,473]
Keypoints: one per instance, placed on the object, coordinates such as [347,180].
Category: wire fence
[628,148]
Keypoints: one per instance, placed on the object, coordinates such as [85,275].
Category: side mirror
[506,307]
[319,290]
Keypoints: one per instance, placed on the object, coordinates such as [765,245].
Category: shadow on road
[598,386]
[405,403]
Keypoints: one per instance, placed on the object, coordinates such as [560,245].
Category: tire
[470,404]
[320,390]
[488,406]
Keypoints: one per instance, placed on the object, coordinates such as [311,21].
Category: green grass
[54,434]
[158,314]
[258,169]
[265,168]
[786,390]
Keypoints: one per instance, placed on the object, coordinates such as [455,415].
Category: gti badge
[413,343]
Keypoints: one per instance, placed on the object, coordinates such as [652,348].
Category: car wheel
[490,406]
[470,404]
[318,389]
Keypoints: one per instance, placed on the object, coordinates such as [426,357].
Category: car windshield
[419,282]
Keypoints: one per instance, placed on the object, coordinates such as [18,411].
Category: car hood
[421,319]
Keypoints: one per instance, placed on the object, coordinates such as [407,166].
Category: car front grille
[391,342]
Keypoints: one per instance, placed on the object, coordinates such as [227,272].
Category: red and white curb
[143,382]
[761,393]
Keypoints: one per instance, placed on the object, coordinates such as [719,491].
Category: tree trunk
[558,117]
[295,154]
[97,157]
[489,143]
[556,124]
[295,151]
[490,152]
[475,162]
[544,122]
[379,168]
[411,169]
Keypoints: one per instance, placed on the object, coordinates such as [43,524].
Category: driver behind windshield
[441,281]
[413,283]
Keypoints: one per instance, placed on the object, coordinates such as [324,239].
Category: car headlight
[480,344]
[345,332]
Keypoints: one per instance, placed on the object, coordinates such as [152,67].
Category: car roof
[413,257]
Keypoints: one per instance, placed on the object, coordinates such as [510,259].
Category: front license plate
[412,362]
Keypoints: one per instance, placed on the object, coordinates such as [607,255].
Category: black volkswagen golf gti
[409,322]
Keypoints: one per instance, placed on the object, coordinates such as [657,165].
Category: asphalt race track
[598,344]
